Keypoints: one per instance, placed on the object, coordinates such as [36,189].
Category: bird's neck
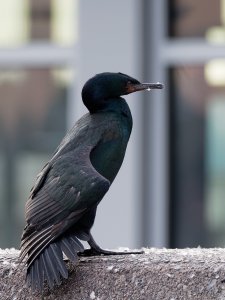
[116,105]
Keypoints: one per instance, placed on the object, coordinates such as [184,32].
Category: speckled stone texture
[157,274]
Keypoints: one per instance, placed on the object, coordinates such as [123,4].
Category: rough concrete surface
[156,274]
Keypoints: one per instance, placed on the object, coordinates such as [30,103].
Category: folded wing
[66,189]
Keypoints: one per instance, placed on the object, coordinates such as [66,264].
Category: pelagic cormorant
[62,205]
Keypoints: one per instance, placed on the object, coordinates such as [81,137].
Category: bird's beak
[131,87]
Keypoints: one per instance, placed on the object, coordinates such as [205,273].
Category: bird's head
[104,86]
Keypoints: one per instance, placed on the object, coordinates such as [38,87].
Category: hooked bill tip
[160,85]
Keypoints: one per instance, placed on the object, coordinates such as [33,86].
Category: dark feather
[28,278]
[67,248]
[57,256]
[35,243]
[77,246]
[33,278]
[49,258]
[38,271]
[40,179]
[47,271]
[35,252]
[82,236]
[49,265]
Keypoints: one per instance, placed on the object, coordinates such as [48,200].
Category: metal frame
[191,51]
[156,216]
[37,55]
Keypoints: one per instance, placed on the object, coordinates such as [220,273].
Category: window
[185,43]
[37,81]
[197,101]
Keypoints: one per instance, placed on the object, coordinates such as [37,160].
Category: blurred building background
[171,188]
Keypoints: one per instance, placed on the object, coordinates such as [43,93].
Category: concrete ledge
[157,274]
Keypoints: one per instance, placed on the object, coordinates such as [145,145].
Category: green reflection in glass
[215,163]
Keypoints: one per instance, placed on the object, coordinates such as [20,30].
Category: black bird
[62,205]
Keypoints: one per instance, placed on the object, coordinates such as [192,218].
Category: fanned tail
[49,264]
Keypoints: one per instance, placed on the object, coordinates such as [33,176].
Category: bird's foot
[95,250]
[99,251]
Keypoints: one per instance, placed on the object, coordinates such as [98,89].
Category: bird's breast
[108,155]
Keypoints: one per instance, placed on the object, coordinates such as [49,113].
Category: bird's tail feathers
[50,266]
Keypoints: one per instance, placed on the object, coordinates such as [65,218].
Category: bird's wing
[40,180]
[68,187]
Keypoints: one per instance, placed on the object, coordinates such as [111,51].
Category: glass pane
[33,107]
[202,18]
[197,155]
[24,21]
